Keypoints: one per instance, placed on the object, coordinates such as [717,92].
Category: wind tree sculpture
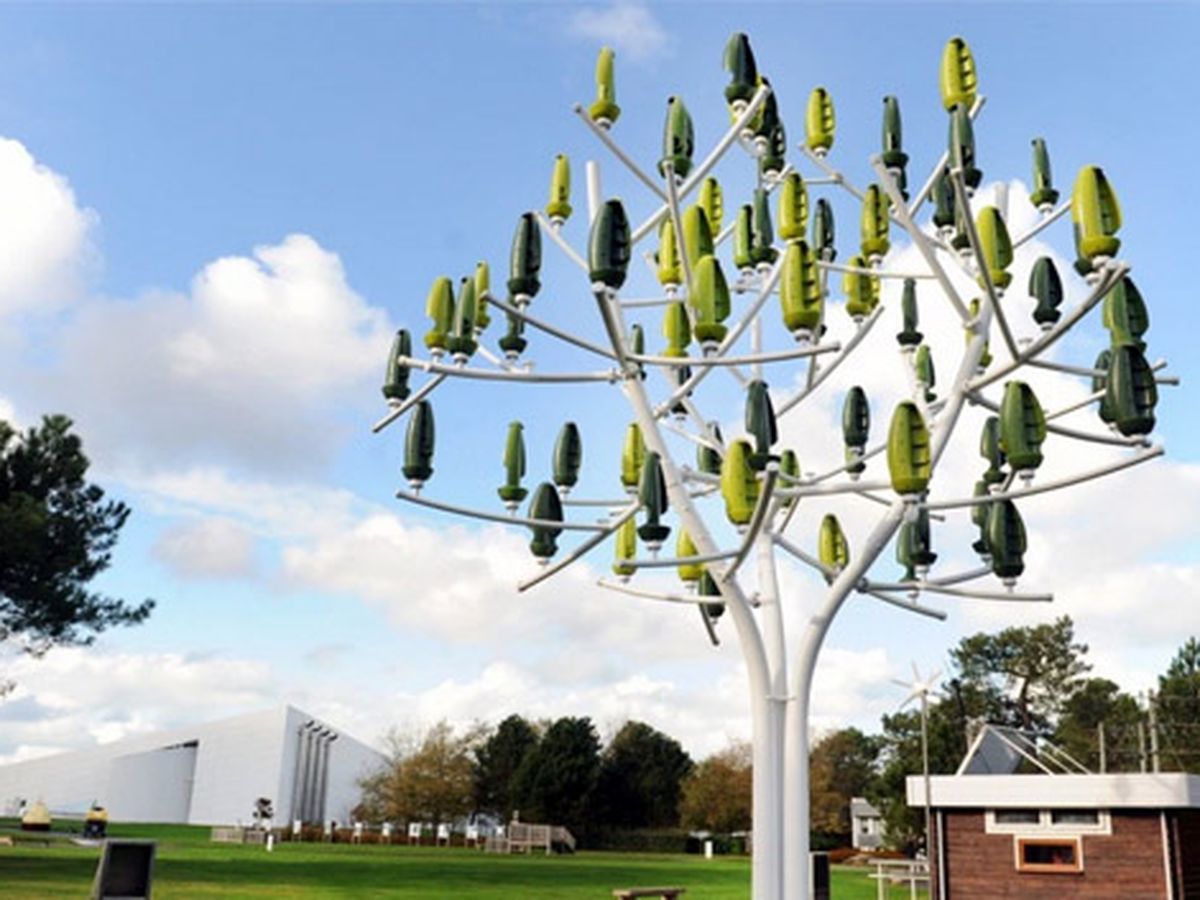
[783,246]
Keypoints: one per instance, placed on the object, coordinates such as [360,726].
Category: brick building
[1060,835]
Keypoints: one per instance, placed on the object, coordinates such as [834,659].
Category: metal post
[1142,745]
[593,190]
[766,864]
[925,765]
[1102,747]
[1152,705]
[796,775]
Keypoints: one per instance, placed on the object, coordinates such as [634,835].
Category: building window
[1017,817]
[1074,817]
[1048,822]
[1063,855]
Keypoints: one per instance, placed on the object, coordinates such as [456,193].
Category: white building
[208,774]
[866,825]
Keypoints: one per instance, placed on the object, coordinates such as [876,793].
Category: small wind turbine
[920,689]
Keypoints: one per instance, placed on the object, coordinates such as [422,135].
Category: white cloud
[8,413]
[207,548]
[629,27]
[45,236]
[458,585]
[267,509]
[73,696]
[246,368]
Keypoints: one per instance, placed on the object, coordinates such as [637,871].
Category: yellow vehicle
[36,817]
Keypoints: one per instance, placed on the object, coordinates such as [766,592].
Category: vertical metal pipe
[796,813]
[941,855]
[309,762]
[1154,761]
[1166,849]
[1103,748]
[323,794]
[593,189]
[318,764]
[1142,746]
[297,771]
[766,862]
[925,769]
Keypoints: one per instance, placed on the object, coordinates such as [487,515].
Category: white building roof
[209,773]
[1163,790]
[862,808]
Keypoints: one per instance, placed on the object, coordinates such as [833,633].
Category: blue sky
[235,207]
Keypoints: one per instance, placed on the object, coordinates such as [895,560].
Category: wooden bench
[666,893]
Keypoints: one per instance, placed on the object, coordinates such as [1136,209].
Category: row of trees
[554,771]
[1033,678]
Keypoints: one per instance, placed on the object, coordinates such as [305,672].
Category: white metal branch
[553,330]
[611,376]
[693,599]
[496,360]
[677,224]
[901,602]
[700,172]
[642,302]
[670,563]
[584,548]
[807,488]
[867,454]
[612,324]
[500,517]
[1081,371]
[734,333]
[1111,439]
[906,604]
[923,242]
[835,177]
[1046,222]
[553,233]
[1113,274]
[757,519]
[699,440]
[981,266]
[923,194]
[1047,486]
[925,586]
[620,154]
[753,359]
[878,273]
[960,577]
[408,403]
[1072,407]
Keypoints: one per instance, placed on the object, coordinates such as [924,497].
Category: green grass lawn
[189,865]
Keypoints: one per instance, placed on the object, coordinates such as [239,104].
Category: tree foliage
[556,780]
[1099,701]
[842,764]
[640,778]
[718,795]
[1026,673]
[496,762]
[57,533]
[904,825]
[426,779]
[1178,707]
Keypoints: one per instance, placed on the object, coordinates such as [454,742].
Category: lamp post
[739,496]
